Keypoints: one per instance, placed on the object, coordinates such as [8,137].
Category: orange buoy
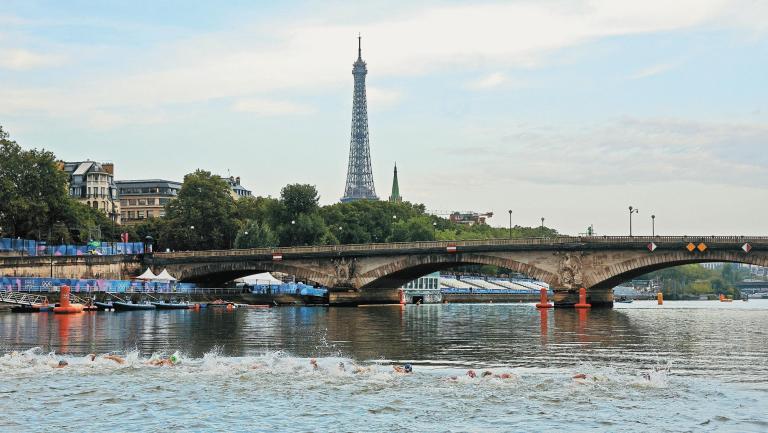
[543,302]
[582,299]
[64,306]
[230,307]
[660,298]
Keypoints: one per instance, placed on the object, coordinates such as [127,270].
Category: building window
[140,214]
[132,202]
[123,202]
[142,202]
[130,214]
[164,201]
[89,191]
[149,214]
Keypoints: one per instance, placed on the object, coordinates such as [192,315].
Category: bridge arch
[618,273]
[398,272]
[217,273]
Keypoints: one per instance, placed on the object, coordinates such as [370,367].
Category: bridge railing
[557,240]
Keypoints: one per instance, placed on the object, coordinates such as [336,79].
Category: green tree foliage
[34,202]
[256,235]
[694,279]
[299,199]
[202,216]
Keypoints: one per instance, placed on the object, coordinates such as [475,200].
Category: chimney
[109,168]
[237,180]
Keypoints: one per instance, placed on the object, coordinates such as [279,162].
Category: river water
[680,367]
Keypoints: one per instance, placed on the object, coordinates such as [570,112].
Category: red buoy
[64,306]
[582,299]
[543,302]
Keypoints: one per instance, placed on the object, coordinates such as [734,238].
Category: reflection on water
[703,363]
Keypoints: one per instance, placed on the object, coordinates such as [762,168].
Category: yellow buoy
[660,298]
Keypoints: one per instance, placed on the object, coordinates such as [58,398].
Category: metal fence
[31,247]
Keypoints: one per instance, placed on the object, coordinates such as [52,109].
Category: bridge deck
[559,241]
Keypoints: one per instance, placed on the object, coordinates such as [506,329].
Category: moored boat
[101,306]
[172,305]
[130,306]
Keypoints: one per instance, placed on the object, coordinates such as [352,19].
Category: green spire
[395,197]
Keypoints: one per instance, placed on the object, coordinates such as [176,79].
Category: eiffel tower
[359,173]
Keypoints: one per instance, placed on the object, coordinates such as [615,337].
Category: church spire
[395,197]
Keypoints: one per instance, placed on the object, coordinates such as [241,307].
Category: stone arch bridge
[371,272]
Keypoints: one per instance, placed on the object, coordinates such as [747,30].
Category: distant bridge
[363,272]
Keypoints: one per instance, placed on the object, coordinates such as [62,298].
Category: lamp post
[510,223]
[631,211]
[293,232]
[542,226]
[653,225]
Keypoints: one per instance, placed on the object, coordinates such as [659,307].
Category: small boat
[101,306]
[130,306]
[219,303]
[623,300]
[172,305]
[34,308]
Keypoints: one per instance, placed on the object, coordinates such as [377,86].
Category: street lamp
[631,211]
[510,223]
[653,225]
[542,226]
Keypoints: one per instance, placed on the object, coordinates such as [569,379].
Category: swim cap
[174,358]
[408,368]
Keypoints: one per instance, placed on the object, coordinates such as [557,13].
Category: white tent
[263,278]
[165,276]
[147,275]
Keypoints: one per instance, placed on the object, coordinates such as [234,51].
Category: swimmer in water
[471,374]
[405,369]
[313,363]
[62,363]
[163,362]
[115,358]
[360,369]
[342,367]
[487,373]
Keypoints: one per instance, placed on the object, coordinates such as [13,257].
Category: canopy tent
[263,278]
[165,276]
[147,275]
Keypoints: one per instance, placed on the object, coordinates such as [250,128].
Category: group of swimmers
[169,361]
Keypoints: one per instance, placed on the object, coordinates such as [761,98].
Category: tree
[306,229]
[298,199]
[202,216]
[415,229]
[255,235]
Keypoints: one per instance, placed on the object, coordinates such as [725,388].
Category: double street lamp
[631,211]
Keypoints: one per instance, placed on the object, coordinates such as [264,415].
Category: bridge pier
[598,298]
[353,297]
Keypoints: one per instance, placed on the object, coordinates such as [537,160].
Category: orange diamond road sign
[690,247]
[746,247]
[702,246]
[652,247]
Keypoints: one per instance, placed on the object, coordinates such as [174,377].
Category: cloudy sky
[568,110]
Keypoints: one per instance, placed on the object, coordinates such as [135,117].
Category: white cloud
[379,98]
[22,60]
[307,55]
[269,107]
[489,81]
[625,151]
